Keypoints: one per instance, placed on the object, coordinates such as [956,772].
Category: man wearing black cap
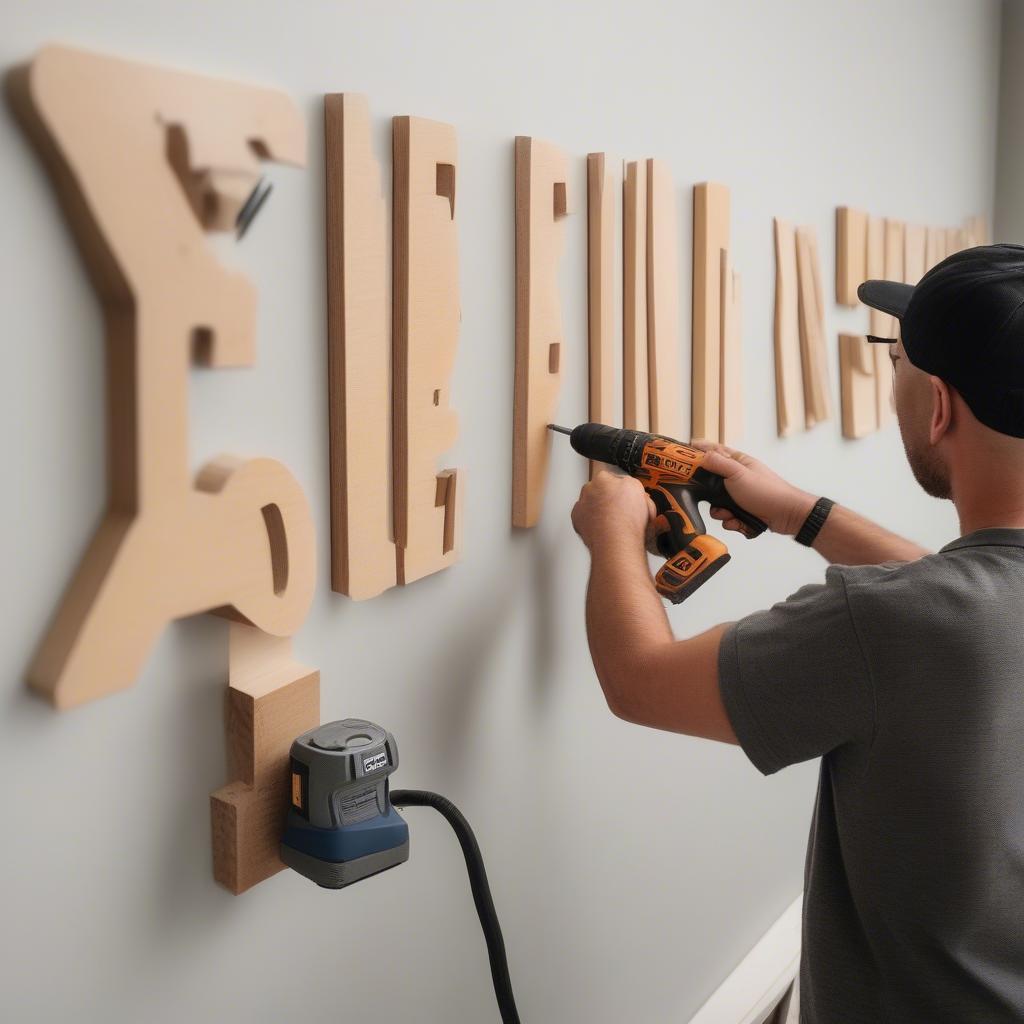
[903,671]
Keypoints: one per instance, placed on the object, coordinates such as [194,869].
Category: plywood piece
[976,232]
[914,254]
[789,392]
[817,405]
[358,354]
[425,336]
[666,397]
[895,270]
[270,700]
[880,323]
[602,331]
[857,390]
[144,159]
[851,254]
[731,398]
[635,393]
[541,207]
[710,237]
[935,247]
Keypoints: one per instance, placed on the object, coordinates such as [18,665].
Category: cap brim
[890,297]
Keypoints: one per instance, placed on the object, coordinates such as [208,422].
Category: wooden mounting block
[541,207]
[143,160]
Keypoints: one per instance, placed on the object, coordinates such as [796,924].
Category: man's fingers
[719,513]
[717,461]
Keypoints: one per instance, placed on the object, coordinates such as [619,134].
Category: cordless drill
[674,478]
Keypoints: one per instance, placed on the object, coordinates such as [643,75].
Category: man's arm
[846,538]
[648,676]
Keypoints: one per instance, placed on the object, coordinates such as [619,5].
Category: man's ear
[942,410]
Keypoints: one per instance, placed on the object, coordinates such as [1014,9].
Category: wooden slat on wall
[789,390]
[635,391]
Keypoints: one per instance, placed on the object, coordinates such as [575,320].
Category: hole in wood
[554,356]
[278,539]
[202,346]
[561,201]
[446,184]
[437,396]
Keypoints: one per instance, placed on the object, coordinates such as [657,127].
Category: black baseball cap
[964,322]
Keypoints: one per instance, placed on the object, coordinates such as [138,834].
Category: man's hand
[759,490]
[612,505]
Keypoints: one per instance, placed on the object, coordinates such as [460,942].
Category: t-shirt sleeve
[794,680]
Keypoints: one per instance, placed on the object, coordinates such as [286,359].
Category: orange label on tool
[297,790]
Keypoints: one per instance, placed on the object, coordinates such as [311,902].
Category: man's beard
[928,469]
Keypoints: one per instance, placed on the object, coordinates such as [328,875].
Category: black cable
[481,891]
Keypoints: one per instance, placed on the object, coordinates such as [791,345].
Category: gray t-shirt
[908,680]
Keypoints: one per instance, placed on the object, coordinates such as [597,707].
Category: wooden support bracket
[270,701]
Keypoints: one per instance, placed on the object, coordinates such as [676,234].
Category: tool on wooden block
[673,475]
[342,825]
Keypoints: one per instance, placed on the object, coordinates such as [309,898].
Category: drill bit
[560,430]
[251,207]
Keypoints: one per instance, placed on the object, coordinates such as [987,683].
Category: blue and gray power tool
[341,826]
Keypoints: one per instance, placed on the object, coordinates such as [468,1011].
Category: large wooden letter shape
[144,158]
[425,336]
[541,206]
[359,354]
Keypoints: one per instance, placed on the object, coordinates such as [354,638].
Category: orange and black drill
[673,476]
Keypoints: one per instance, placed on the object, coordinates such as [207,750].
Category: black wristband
[814,521]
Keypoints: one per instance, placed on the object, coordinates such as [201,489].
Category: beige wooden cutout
[914,254]
[710,237]
[601,327]
[857,390]
[541,207]
[879,322]
[635,391]
[817,404]
[666,396]
[851,254]
[731,399]
[363,557]
[143,159]
[895,270]
[270,700]
[789,392]
[425,327]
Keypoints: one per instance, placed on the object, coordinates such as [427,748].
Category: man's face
[914,397]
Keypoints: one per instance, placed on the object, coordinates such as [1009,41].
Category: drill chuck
[612,445]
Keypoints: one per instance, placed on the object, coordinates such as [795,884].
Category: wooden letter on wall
[789,389]
[817,404]
[541,206]
[425,329]
[666,398]
[710,237]
[359,354]
[144,159]
[851,254]
[635,393]
[857,389]
[601,326]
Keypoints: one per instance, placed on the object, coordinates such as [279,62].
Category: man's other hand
[756,488]
[612,505]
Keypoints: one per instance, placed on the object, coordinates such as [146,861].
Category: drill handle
[714,491]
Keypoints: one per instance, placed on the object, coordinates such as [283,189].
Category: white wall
[632,869]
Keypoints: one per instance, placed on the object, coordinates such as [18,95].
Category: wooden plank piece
[663,358]
[789,396]
[914,254]
[812,328]
[427,500]
[541,207]
[601,191]
[857,390]
[635,392]
[359,354]
[895,264]
[270,700]
[851,254]
[731,398]
[710,237]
